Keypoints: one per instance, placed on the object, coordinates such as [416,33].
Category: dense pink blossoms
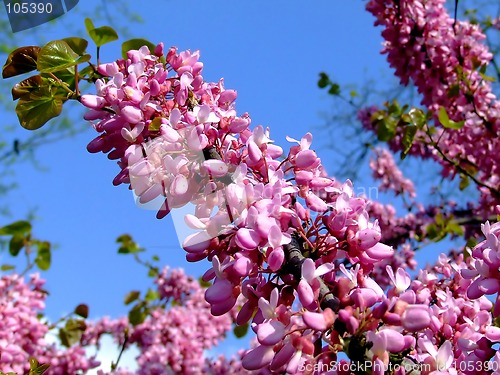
[385,169]
[172,340]
[443,62]
[24,335]
[312,268]
[296,247]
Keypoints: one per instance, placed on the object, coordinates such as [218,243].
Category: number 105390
[27,8]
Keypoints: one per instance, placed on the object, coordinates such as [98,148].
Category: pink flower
[416,318]
[309,285]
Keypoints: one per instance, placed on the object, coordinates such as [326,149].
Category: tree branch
[294,260]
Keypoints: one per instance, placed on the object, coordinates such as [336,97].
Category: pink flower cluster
[484,266]
[174,339]
[296,247]
[443,60]
[24,335]
[462,333]
[385,169]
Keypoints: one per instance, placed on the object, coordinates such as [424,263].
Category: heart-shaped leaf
[240,331]
[131,296]
[446,122]
[82,310]
[71,333]
[26,86]
[89,25]
[16,243]
[21,60]
[58,55]
[38,107]
[79,45]
[409,133]
[19,227]
[43,257]
[100,35]
[66,75]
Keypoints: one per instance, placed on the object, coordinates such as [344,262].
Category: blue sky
[269,51]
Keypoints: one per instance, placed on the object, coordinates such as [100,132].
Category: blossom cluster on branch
[24,335]
[176,333]
[318,273]
[297,247]
[172,339]
[446,60]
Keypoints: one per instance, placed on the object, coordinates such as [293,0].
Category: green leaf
[43,257]
[102,35]
[405,119]
[128,245]
[334,89]
[89,72]
[464,182]
[240,331]
[64,337]
[431,231]
[18,227]
[446,122]
[82,310]
[38,107]
[152,295]
[487,77]
[443,117]
[16,243]
[40,369]
[67,76]
[471,243]
[137,315]
[135,44]
[26,86]
[440,219]
[417,117]
[323,81]
[58,55]
[72,332]
[21,60]
[453,91]
[454,228]
[435,232]
[155,125]
[36,368]
[79,45]
[89,25]
[153,272]
[394,108]
[409,132]
[457,125]
[131,297]
[386,129]
[33,363]
[7,267]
